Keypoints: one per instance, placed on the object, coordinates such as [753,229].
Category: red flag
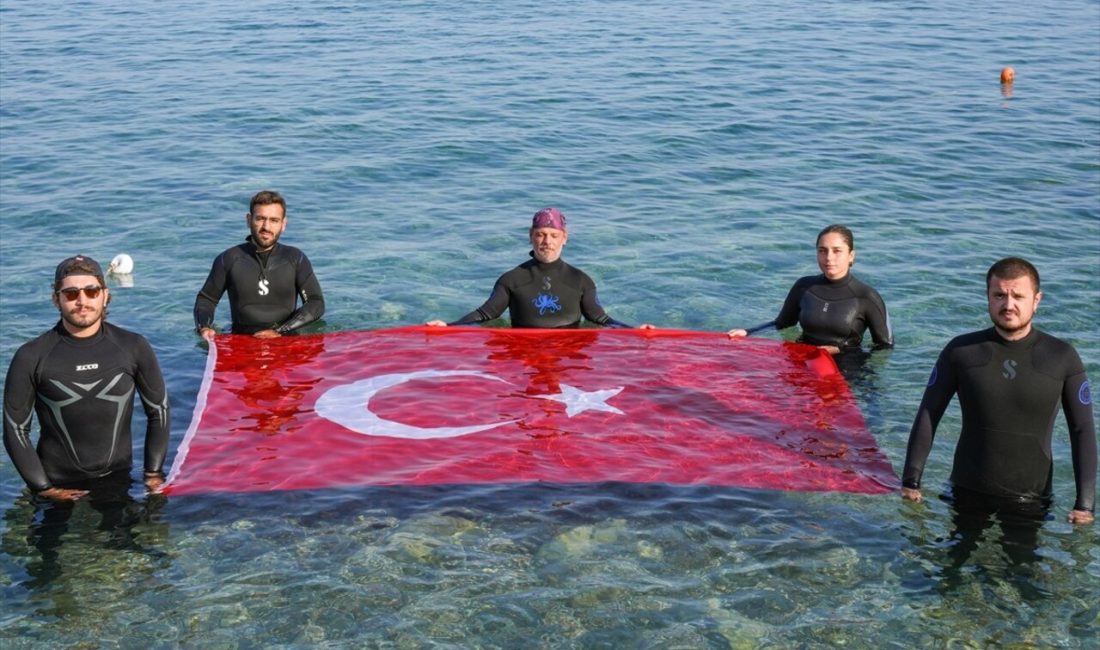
[424,405]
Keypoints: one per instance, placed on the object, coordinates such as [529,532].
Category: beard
[81,318]
[1002,323]
[262,241]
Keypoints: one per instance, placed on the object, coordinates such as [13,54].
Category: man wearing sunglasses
[265,279]
[80,378]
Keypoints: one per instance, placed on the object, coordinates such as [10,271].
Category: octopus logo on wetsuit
[545,302]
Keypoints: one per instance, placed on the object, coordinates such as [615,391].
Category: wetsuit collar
[547,265]
[81,340]
[839,283]
[1024,342]
[255,250]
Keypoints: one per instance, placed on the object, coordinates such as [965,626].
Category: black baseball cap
[78,265]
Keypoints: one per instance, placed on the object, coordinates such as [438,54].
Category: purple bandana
[549,218]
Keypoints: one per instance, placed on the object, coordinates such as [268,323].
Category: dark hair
[840,230]
[267,197]
[1011,268]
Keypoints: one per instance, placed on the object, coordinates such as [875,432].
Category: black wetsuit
[83,392]
[834,313]
[263,289]
[1009,392]
[542,295]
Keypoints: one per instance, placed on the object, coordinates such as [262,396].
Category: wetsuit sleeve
[492,308]
[762,326]
[206,303]
[878,319]
[788,315]
[1077,406]
[154,399]
[19,395]
[309,291]
[941,388]
[593,310]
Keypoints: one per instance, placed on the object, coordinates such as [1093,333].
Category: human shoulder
[230,255]
[575,274]
[970,349]
[289,252]
[127,340]
[970,339]
[863,289]
[1052,354]
[518,273]
[37,347]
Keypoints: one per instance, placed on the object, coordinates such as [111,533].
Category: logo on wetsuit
[1084,393]
[262,284]
[1010,369]
[935,375]
[546,302]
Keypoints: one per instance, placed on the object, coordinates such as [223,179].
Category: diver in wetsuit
[834,308]
[1010,380]
[265,279]
[80,378]
[544,291]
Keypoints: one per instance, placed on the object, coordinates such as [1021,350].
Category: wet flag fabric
[457,405]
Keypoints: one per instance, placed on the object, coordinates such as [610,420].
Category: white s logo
[263,287]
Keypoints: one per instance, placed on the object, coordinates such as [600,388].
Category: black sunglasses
[91,292]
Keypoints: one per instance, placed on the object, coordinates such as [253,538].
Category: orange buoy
[1008,75]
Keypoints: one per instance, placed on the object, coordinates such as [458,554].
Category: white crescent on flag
[349,406]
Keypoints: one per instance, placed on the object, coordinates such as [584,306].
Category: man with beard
[265,279]
[80,378]
[1010,379]
[544,291]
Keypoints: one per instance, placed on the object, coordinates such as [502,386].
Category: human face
[547,243]
[834,258]
[1012,305]
[266,222]
[82,316]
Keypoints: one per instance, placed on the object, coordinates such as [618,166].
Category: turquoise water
[697,148]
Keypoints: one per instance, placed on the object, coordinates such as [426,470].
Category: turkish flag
[427,405]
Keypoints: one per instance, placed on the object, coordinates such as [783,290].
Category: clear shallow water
[697,149]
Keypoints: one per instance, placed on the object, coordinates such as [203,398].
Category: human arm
[490,309]
[591,308]
[788,314]
[206,302]
[19,396]
[791,309]
[154,400]
[941,387]
[878,321]
[308,289]
[738,332]
[1077,406]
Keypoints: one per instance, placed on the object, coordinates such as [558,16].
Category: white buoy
[123,264]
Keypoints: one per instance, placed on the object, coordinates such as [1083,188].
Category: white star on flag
[578,401]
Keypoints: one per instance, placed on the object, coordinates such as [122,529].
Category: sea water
[697,148]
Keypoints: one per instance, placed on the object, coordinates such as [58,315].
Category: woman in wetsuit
[834,309]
